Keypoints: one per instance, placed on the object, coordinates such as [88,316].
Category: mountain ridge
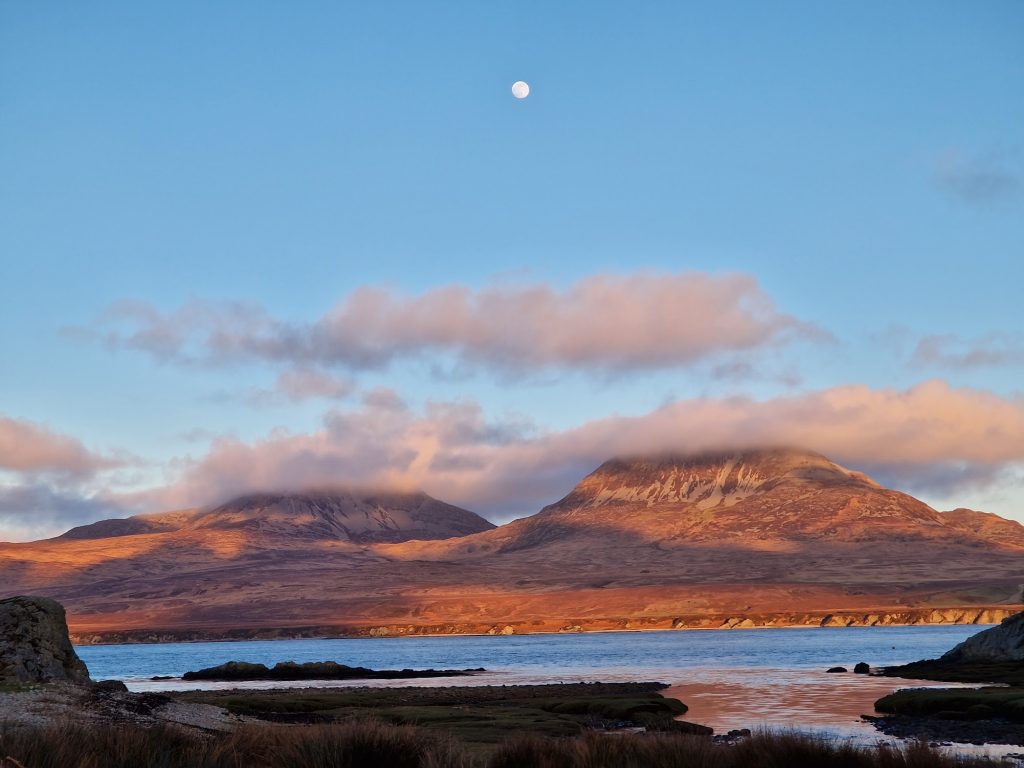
[734,538]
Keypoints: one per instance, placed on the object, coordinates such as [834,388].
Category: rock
[662,725]
[1002,643]
[110,685]
[34,643]
[313,670]
[836,669]
[861,668]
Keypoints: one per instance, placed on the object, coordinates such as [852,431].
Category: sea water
[737,678]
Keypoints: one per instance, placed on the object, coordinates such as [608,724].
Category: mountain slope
[768,533]
[987,525]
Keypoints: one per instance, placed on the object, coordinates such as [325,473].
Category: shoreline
[954,615]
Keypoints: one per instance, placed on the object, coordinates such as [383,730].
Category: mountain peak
[361,517]
[706,480]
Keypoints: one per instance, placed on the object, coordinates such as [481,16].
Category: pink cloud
[994,349]
[453,452]
[299,384]
[32,448]
[610,322]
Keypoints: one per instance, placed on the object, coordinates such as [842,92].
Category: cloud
[930,438]
[454,452]
[31,448]
[978,180]
[298,385]
[951,351]
[385,398]
[29,512]
[605,322]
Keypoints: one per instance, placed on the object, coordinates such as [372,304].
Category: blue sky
[863,163]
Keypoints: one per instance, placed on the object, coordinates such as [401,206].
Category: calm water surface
[728,678]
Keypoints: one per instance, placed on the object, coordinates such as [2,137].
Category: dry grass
[763,750]
[345,745]
[372,744]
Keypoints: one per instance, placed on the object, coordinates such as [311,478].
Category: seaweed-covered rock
[34,643]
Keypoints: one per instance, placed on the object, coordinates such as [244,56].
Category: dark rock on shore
[314,670]
[837,669]
[995,655]
[861,668]
[660,724]
[34,643]
[1004,643]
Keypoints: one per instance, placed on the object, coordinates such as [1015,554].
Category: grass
[475,715]
[362,744]
[372,744]
[763,750]
[956,703]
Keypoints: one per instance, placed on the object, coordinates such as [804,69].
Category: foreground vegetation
[373,744]
[476,715]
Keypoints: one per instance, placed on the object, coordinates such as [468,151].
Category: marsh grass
[763,750]
[374,744]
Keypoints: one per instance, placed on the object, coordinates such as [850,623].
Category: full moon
[520,89]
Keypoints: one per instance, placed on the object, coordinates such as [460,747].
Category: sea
[729,679]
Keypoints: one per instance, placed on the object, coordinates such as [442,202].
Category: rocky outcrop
[1002,643]
[34,643]
[315,670]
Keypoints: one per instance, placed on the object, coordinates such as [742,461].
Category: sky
[254,246]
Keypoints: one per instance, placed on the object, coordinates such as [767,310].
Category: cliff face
[741,539]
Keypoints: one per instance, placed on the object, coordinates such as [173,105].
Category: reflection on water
[780,698]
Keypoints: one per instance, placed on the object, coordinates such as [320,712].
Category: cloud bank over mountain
[928,436]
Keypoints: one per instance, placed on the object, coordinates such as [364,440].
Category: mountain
[337,515]
[774,536]
[746,498]
[986,524]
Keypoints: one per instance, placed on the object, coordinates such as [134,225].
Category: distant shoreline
[984,615]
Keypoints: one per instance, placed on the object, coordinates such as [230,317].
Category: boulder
[34,643]
[836,669]
[1002,643]
[861,668]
